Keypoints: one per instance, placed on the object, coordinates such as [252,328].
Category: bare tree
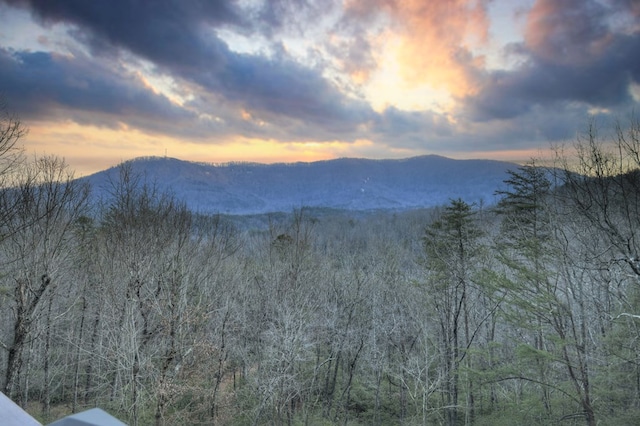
[46,203]
[166,318]
[601,189]
[602,183]
[11,154]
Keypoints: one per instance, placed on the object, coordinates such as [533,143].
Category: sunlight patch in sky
[388,86]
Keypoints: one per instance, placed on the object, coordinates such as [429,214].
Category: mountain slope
[351,184]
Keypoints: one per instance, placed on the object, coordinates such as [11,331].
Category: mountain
[346,183]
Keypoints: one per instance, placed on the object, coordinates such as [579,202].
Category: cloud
[413,127]
[434,39]
[281,100]
[408,75]
[166,32]
[572,54]
[571,32]
[281,87]
[353,53]
[39,85]
[277,92]
[293,17]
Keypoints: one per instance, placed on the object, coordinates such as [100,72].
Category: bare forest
[524,312]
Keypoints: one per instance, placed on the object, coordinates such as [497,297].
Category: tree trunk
[76,371]
[92,349]
[46,394]
[14,359]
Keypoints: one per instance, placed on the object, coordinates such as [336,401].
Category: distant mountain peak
[345,183]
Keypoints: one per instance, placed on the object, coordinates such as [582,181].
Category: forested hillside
[353,184]
[526,312]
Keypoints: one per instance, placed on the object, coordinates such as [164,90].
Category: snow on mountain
[346,183]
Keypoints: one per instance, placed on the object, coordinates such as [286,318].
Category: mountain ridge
[345,183]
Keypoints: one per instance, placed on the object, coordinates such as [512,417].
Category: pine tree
[545,288]
[451,244]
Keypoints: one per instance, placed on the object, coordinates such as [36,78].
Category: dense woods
[524,312]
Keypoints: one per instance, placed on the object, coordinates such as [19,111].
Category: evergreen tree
[545,289]
[451,244]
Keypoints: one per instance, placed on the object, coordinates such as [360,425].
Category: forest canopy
[523,312]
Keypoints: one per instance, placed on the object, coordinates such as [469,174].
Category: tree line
[523,312]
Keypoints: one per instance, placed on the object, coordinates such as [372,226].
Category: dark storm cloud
[179,38]
[39,85]
[282,87]
[165,32]
[568,31]
[604,83]
[572,56]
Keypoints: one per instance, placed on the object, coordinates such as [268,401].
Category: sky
[103,81]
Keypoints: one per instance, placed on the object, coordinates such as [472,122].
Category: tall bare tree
[46,202]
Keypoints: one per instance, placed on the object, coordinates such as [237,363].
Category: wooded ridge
[347,183]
